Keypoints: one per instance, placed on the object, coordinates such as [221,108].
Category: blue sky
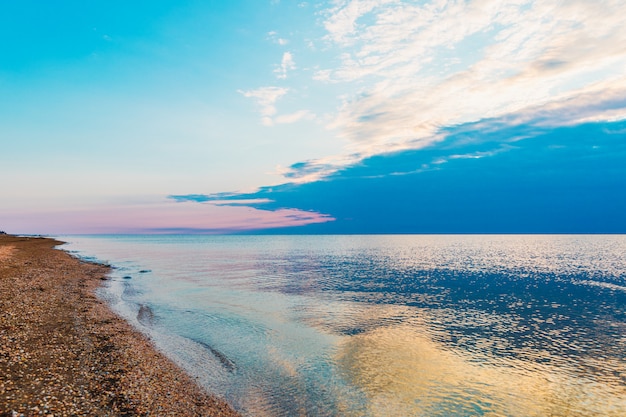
[347,116]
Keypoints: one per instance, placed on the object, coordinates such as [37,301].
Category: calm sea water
[382,325]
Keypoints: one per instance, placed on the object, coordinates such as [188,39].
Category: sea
[381,325]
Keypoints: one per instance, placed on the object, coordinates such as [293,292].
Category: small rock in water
[145,315]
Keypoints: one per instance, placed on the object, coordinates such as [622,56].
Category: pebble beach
[63,352]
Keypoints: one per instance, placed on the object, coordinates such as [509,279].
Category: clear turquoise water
[382,325]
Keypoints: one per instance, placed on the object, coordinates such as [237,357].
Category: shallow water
[383,325]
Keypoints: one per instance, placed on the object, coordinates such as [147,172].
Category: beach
[64,352]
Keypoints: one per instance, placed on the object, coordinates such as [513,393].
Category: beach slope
[64,352]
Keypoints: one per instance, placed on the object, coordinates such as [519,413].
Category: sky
[339,116]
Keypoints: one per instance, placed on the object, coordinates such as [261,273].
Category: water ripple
[386,325]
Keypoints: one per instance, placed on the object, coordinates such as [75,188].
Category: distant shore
[64,352]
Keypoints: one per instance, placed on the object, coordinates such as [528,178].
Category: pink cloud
[157,217]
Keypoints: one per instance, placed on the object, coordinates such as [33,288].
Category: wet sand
[63,352]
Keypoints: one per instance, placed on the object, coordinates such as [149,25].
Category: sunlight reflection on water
[404,372]
[384,325]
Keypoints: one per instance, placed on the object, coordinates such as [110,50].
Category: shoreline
[64,352]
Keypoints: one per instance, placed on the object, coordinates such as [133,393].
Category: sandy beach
[63,352]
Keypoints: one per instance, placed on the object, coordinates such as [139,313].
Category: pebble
[68,354]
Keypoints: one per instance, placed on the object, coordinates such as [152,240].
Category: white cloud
[286,64]
[266,98]
[414,67]
[426,65]
[323,75]
[341,20]
[273,36]
[294,117]
[313,170]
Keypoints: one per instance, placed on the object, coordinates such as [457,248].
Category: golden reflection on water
[405,373]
